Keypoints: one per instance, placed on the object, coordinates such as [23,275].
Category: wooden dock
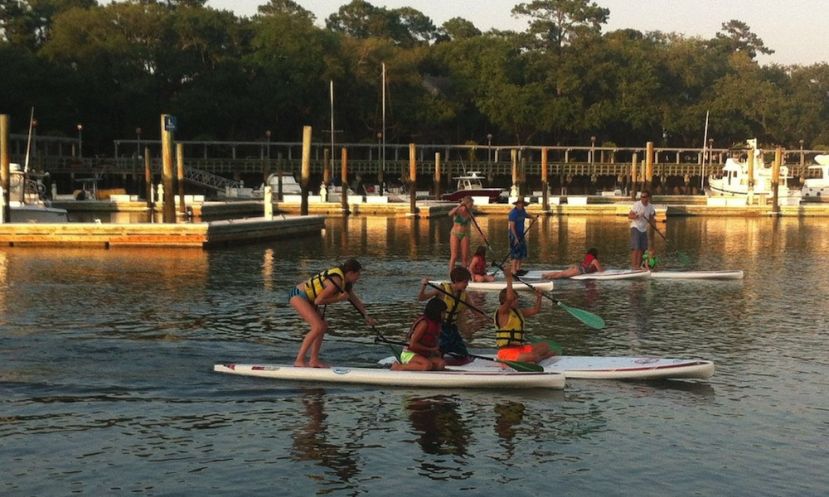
[186,235]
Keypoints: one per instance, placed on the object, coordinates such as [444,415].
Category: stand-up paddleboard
[698,275]
[498,285]
[479,378]
[605,368]
[607,274]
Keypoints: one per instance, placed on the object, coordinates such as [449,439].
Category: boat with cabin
[733,179]
[28,199]
[816,184]
[472,184]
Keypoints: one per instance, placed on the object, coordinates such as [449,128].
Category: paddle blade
[524,367]
[586,317]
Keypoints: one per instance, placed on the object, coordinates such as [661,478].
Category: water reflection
[508,416]
[312,441]
[439,426]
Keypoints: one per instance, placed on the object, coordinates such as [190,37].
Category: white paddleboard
[498,285]
[482,378]
[698,275]
[605,368]
[607,274]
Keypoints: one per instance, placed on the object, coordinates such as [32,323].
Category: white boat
[472,185]
[607,274]
[816,185]
[736,274]
[484,378]
[732,180]
[27,203]
[498,285]
[605,368]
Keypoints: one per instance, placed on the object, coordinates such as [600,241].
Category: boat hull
[494,194]
[484,378]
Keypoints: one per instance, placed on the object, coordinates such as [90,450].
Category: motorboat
[816,184]
[732,180]
[472,184]
[27,199]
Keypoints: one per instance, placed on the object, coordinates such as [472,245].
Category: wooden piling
[306,169]
[344,180]
[545,203]
[5,173]
[514,161]
[180,176]
[775,179]
[326,167]
[169,212]
[634,175]
[148,178]
[437,176]
[649,166]
[412,179]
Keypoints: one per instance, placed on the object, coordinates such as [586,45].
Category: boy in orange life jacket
[423,353]
[509,321]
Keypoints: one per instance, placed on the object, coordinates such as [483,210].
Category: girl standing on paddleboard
[328,287]
[461,232]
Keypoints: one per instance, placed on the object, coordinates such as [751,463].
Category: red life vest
[587,263]
[430,338]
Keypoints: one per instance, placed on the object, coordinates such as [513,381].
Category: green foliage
[117,66]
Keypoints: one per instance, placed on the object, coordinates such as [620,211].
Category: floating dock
[186,235]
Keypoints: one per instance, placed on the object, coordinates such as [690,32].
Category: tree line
[115,68]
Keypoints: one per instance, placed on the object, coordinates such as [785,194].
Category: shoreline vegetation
[110,70]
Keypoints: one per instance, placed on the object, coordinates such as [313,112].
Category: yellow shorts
[511,352]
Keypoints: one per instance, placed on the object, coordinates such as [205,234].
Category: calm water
[106,384]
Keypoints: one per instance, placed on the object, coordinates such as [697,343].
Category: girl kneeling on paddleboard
[509,322]
[328,287]
[453,294]
[423,353]
[478,266]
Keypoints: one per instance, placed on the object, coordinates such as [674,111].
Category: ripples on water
[106,356]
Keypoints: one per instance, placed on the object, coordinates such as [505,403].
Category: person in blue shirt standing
[517,242]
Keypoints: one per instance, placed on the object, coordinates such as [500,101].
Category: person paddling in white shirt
[641,215]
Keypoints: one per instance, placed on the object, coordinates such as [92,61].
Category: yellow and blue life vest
[315,285]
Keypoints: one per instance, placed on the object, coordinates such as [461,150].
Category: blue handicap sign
[169,123]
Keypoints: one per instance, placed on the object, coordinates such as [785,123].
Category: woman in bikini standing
[461,232]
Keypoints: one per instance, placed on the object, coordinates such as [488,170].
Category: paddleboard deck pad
[479,378]
[604,368]
[497,286]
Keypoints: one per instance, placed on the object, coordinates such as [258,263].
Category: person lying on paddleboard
[328,287]
[478,266]
[454,295]
[423,352]
[509,324]
[590,264]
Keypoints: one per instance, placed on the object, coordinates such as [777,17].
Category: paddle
[683,258]
[478,227]
[379,335]
[586,317]
[526,367]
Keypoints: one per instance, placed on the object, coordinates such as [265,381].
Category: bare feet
[300,364]
[317,364]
